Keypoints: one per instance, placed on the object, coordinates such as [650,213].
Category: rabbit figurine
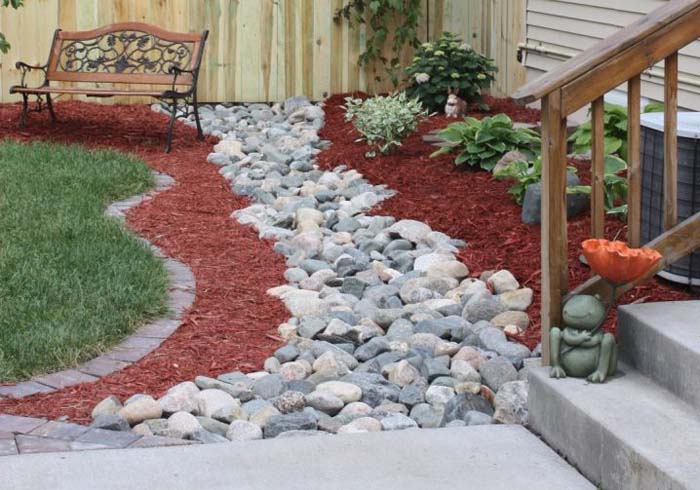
[455,107]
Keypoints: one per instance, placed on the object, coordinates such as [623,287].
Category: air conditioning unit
[686,270]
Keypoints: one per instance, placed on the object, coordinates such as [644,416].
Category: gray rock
[397,421]
[496,372]
[206,437]
[532,203]
[294,421]
[427,416]
[325,402]
[109,421]
[269,386]
[373,348]
[511,403]
[311,326]
[286,353]
[412,394]
[474,417]
[459,405]
[482,306]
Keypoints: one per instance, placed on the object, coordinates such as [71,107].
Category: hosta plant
[483,142]
[614,130]
[615,186]
[448,63]
[522,173]
[385,121]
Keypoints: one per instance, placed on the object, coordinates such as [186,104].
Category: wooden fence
[266,50]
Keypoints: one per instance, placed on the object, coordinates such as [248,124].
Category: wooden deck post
[553,221]
[671,141]
[597,168]
[634,170]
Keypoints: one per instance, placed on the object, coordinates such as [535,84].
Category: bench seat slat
[100,92]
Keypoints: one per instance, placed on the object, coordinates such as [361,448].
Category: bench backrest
[130,52]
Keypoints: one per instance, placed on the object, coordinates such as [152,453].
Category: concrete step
[628,433]
[485,457]
[662,341]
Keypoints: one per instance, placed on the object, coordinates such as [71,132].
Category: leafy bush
[525,173]
[614,132]
[484,142]
[615,186]
[384,121]
[445,63]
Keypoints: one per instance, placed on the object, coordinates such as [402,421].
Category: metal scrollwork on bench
[124,52]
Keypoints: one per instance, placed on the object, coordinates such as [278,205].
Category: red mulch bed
[232,323]
[471,205]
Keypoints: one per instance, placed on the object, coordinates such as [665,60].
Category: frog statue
[580,349]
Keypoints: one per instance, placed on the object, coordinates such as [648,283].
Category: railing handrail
[630,37]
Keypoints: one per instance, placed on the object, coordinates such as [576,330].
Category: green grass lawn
[72,281]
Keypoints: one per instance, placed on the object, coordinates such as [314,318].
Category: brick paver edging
[181,294]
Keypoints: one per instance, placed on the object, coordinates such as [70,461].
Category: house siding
[568,27]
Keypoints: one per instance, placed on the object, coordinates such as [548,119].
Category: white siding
[571,26]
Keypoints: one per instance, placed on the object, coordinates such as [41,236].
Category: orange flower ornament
[616,262]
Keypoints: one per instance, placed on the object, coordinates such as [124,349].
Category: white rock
[452,268]
[518,300]
[363,424]
[143,408]
[301,303]
[347,392]
[503,281]
[209,401]
[242,430]
[109,406]
[229,147]
[510,403]
[464,371]
[356,408]
[291,371]
[309,214]
[439,395]
[180,398]
[182,424]
[414,231]
[424,262]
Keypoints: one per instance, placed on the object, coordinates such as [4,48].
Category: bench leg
[173,116]
[23,117]
[49,104]
[200,134]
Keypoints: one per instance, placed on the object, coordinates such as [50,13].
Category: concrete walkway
[484,457]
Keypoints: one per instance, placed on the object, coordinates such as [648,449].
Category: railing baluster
[671,141]
[597,169]
[553,226]
[634,176]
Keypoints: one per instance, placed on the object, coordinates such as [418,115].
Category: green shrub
[615,186]
[484,142]
[525,173]
[384,121]
[614,132]
[445,63]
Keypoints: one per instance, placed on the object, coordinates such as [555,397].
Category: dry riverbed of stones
[387,331]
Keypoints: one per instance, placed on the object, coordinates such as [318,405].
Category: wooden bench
[126,53]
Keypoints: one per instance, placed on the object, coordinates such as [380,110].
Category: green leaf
[614,164]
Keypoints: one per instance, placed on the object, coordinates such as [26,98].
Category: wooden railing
[585,79]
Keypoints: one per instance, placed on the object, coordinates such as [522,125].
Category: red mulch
[471,205]
[232,323]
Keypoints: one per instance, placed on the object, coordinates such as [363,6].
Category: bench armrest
[176,71]
[25,68]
